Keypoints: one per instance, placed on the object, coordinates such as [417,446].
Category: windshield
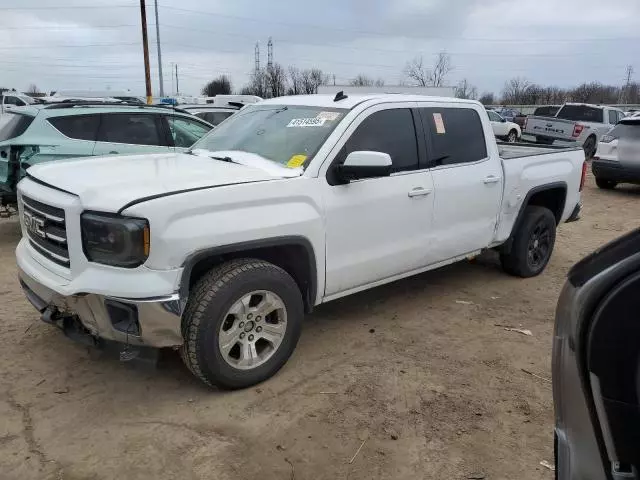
[287,134]
[581,113]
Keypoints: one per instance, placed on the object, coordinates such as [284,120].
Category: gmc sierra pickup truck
[290,203]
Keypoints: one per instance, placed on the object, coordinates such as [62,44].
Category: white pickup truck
[575,122]
[288,204]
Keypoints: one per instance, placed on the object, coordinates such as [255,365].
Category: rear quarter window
[79,127]
[13,125]
[454,135]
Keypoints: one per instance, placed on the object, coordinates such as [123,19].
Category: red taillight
[577,130]
[584,175]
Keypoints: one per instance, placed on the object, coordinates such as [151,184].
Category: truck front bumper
[151,322]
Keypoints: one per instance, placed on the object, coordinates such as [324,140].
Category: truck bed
[524,149]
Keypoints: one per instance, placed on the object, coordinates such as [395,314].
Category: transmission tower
[257,65]
[270,53]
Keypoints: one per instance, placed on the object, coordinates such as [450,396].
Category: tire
[589,147]
[215,311]
[605,184]
[536,233]
[512,137]
[544,141]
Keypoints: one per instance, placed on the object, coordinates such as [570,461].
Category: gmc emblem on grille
[33,224]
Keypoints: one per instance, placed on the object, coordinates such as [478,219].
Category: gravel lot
[417,370]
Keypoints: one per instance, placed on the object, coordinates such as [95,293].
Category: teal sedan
[45,133]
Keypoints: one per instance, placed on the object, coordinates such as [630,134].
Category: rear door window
[613,117]
[80,127]
[131,128]
[581,113]
[454,135]
[14,125]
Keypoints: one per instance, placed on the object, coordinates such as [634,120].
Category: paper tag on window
[296,161]
[306,122]
[437,118]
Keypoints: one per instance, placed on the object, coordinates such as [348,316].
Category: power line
[362,32]
[96,45]
[68,7]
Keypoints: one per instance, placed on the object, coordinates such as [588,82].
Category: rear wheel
[589,147]
[241,324]
[512,137]
[605,184]
[544,141]
[532,243]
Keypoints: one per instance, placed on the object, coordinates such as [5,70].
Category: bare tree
[466,90]
[417,72]
[362,80]
[441,69]
[488,98]
[257,85]
[276,80]
[514,90]
[33,89]
[379,82]
[436,76]
[313,79]
[217,86]
[296,83]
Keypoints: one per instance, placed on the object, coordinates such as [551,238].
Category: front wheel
[242,323]
[532,243]
[512,137]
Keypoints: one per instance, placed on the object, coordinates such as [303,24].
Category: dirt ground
[417,370]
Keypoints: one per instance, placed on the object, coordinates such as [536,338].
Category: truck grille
[46,228]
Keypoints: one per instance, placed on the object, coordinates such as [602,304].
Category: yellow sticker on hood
[296,161]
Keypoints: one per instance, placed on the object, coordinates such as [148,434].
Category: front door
[468,182]
[131,133]
[500,127]
[378,228]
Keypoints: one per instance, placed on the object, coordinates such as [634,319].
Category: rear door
[131,133]
[467,181]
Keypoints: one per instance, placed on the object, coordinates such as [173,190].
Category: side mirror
[364,164]
[503,120]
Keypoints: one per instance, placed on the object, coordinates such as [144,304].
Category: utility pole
[177,82]
[145,49]
[159,51]
[257,59]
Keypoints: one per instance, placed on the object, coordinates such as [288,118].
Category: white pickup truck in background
[10,99]
[290,203]
[579,122]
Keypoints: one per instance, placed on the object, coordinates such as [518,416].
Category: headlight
[608,138]
[115,240]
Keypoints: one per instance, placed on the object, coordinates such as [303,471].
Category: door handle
[419,192]
[491,179]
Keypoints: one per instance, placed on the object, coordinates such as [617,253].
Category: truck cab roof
[321,100]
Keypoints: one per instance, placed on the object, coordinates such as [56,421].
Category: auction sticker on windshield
[296,161]
[306,122]
[330,116]
[437,118]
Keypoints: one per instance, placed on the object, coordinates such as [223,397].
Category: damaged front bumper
[151,322]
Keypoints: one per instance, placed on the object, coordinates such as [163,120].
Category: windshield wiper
[206,153]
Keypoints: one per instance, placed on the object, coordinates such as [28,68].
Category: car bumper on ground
[154,321]
[615,171]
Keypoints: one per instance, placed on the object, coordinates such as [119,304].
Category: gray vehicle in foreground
[596,366]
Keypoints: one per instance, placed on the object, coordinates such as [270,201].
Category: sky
[96,45]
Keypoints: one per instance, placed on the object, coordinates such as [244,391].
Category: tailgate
[550,127]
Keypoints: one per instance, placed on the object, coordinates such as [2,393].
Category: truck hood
[111,182]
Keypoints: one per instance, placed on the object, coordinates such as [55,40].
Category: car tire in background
[605,184]
[590,146]
[532,243]
[544,141]
[241,323]
[513,136]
